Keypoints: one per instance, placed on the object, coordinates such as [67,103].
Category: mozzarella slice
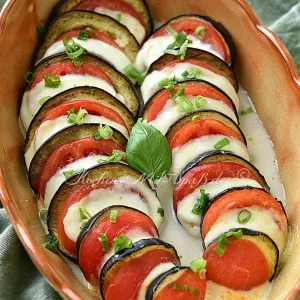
[191,221]
[48,128]
[58,178]
[133,25]
[121,194]
[110,53]
[150,84]
[154,48]
[30,102]
[193,148]
[170,113]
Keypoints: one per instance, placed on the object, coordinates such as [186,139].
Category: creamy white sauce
[133,25]
[30,102]
[58,178]
[150,84]
[192,149]
[155,272]
[154,48]
[50,127]
[261,220]
[191,221]
[170,112]
[113,55]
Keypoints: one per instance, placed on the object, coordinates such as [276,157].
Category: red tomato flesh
[202,128]
[242,267]
[71,151]
[243,199]
[91,256]
[212,36]
[205,173]
[189,90]
[187,278]
[130,276]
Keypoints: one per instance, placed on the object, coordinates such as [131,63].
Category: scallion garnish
[186,288]
[118,17]
[161,211]
[83,35]
[167,83]
[222,143]
[223,241]
[73,50]
[200,32]
[104,242]
[104,132]
[70,173]
[200,102]
[198,265]
[185,106]
[76,118]
[195,74]
[113,216]
[122,242]
[133,73]
[43,215]
[201,203]
[41,31]
[246,111]
[196,118]
[51,81]
[116,156]
[244,216]
[51,242]
[84,215]
[44,100]
[29,77]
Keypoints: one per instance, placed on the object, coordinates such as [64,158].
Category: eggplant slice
[225,156]
[202,56]
[64,136]
[121,83]
[78,93]
[139,6]
[81,20]
[139,248]
[95,174]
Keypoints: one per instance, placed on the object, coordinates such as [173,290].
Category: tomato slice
[190,89]
[243,199]
[116,5]
[98,36]
[62,69]
[71,151]
[91,256]
[212,36]
[201,128]
[187,278]
[92,108]
[242,267]
[205,173]
[130,276]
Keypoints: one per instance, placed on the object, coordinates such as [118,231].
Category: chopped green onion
[172,31]
[201,203]
[77,62]
[116,156]
[246,111]
[122,242]
[74,50]
[196,118]
[244,216]
[104,132]
[113,216]
[200,32]
[70,173]
[133,73]
[29,77]
[83,35]
[167,83]
[41,31]
[222,143]
[118,18]
[161,211]
[195,74]
[182,49]
[185,106]
[51,242]
[186,288]
[200,102]
[220,249]
[104,242]
[91,31]
[185,74]
[76,118]
[198,265]
[43,215]
[84,216]
[44,100]
[51,81]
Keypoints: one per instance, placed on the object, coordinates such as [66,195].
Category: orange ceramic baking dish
[264,68]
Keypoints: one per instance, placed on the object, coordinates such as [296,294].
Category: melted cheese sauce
[150,84]
[191,221]
[170,112]
[154,48]
[110,53]
[192,149]
[50,127]
[133,25]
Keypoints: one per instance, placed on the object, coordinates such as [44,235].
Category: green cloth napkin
[19,279]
